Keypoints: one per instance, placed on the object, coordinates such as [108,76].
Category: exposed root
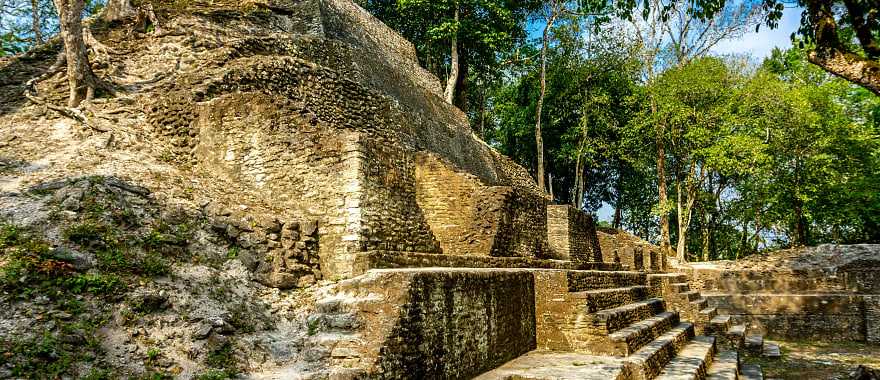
[30,92]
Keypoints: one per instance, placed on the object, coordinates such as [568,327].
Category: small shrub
[112,259]
[232,253]
[154,265]
[214,374]
[223,358]
[153,354]
[89,234]
[10,235]
[93,283]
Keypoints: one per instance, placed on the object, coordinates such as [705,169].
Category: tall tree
[457,39]
[670,34]
[81,79]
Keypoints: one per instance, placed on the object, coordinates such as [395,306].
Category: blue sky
[760,44]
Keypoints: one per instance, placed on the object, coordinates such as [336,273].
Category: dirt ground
[804,360]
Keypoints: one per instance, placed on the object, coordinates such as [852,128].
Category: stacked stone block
[572,234]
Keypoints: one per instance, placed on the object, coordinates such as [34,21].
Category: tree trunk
[836,58]
[463,85]
[617,216]
[539,141]
[80,77]
[449,94]
[861,71]
[618,212]
[483,110]
[800,220]
[704,215]
[118,10]
[665,242]
[35,22]
[685,208]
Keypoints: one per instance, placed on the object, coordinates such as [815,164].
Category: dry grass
[803,360]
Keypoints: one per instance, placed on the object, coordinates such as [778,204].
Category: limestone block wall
[872,318]
[630,251]
[391,219]
[308,171]
[837,317]
[561,310]
[437,324]
[571,234]
[328,123]
[450,200]
[472,218]
[833,303]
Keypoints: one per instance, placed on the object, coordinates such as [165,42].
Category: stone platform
[558,365]
[517,323]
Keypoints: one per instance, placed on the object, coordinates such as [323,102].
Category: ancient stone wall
[431,323]
[796,302]
[396,259]
[837,317]
[571,234]
[363,144]
[391,219]
[489,315]
[309,171]
[872,318]
[630,251]
[452,202]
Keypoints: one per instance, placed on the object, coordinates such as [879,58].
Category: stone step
[771,350]
[721,320]
[699,303]
[725,366]
[647,362]
[627,340]
[338,304]
[751,372]
[708,313]
[555,365]
[601,299]
[692,361]
[692,295]
[718,325]
[611,320]
[680,287]
[754,344]
[735,336]
[737,330]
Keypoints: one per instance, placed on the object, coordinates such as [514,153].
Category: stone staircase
[651,330]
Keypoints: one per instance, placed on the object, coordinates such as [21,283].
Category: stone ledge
[392,259]
[768,303]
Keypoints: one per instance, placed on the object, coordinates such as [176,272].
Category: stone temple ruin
[453,263]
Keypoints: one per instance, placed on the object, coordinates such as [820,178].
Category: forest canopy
[710,156]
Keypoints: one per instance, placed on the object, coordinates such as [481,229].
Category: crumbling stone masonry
[834,303]
[621,247]
[335,121]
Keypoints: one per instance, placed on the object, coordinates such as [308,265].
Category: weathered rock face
[334,120]
[827,292]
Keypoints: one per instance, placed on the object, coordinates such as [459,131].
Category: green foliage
[93,284]
[50,355]
[222,361]
[214,374]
